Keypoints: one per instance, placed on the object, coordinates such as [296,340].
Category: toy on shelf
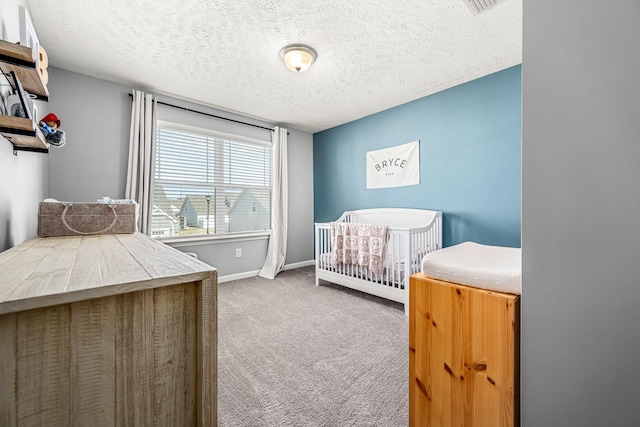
[50,127]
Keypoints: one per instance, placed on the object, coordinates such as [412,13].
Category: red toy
[49,125]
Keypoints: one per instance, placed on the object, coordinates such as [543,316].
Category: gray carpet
[293,354]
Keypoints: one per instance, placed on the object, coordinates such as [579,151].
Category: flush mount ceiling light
[298,57]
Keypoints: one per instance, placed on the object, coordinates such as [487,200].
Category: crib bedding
[359,244]
[494,268]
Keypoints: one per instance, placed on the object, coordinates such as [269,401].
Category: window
[209,183]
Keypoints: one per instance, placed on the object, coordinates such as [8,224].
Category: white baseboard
[299,264]
[238,276]
[248,274]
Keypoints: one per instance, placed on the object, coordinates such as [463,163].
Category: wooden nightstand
[463,355]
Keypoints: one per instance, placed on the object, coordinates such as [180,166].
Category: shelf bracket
[17,148]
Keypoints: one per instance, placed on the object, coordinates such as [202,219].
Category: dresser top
[47,271]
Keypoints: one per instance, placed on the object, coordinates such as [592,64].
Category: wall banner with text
[397,166]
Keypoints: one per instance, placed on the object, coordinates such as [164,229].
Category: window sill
[213,239]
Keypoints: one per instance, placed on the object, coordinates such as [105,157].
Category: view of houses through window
[209,183]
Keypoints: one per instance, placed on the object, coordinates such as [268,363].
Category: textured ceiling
[372,54]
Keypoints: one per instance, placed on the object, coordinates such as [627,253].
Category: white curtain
[277,250]
[142,140]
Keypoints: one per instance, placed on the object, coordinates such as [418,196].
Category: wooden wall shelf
[17,58]
[23,134]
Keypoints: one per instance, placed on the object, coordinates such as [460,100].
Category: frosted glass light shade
[298,57]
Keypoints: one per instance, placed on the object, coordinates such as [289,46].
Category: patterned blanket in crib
[359,244]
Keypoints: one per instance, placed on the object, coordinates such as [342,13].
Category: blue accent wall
[470,160]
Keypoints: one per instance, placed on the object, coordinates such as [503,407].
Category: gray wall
[95,114]
[23,177]
[581,214]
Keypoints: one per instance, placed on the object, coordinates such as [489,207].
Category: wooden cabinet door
[463,355]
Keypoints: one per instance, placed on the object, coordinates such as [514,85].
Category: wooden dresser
[111,330]
[463,355]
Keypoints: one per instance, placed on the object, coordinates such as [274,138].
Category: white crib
[411,234]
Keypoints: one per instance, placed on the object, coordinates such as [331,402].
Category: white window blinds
[209,183]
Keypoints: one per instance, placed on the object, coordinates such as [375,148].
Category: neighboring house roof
[157,212]
[198,203]
[244,196]
[170,206]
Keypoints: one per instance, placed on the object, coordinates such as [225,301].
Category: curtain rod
[209,114]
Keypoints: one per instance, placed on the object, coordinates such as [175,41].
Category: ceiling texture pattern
[372,54]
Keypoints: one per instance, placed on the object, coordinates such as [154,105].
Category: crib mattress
[495,268]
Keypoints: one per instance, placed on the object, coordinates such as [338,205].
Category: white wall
[23,176]
[9,23]
[95,114]
[581,214]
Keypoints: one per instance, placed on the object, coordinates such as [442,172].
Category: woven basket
[84,219]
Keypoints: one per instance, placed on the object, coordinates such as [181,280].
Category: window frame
[201,239]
